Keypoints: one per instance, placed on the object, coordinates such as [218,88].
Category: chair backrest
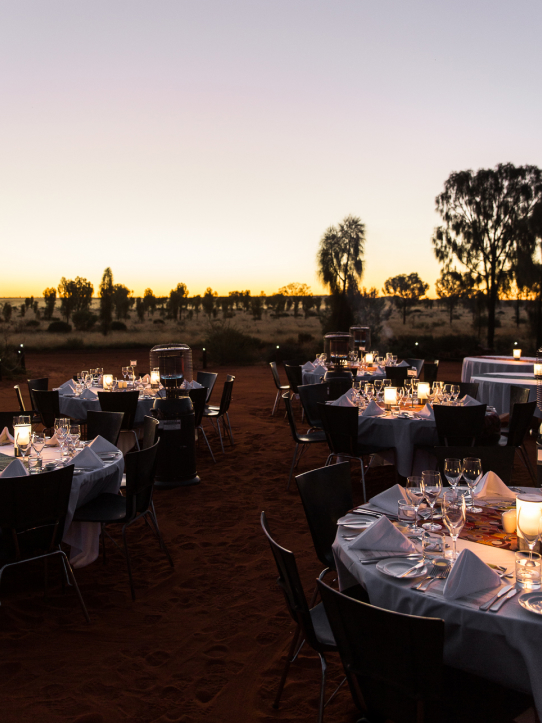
[20,399]
[291,586]
[150,431]
[430,371]
[226,395]
[198,397]
[33,509]
[336,374]
[140,469]
[393,661]
[290,416]
[341,428]
[326,494]
[47,404]
[42,384]
[294,375]
[520,421]
[6,420]
[311,395]
[105,424]
[397,375]
[494,459]
[338,386]
[470,388]
[459,425]
[276,377]
[207,380]
[417,364]
[518,395]
[120,402]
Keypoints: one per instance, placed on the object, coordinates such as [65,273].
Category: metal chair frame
[281,388]
[222,412]
[304,440]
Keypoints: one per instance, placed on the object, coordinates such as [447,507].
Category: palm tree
[340,254]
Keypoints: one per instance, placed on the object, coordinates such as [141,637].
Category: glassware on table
[400,394]
[38,443]
[452,470]
[406,513]
[414,492]
[472,472]
[74,434]
[454,515]
[394,360]
[62,425]
[455,390]
[370,391]
[528,569]
[432,487]
[99,374]
[22,439]
[529,526]
[125,372]
[378,385]
[386,383]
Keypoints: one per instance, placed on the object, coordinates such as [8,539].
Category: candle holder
[22,436]
[528,511]
[516,354]
[423,391]
[390,397]
[107,382]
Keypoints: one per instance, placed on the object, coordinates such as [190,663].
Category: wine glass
[125,372]
[370,391]
[530,529]
[472,472]
[400,394]
[61,431]
[455,390]
[74,434]
[414,493]
[378,385]
[38,443]
[432,487]
[452,470]
[454,515]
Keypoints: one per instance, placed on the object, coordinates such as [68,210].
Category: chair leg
[128,563]
[220,435]
[68,568]
[136,439]
[322,689]
[207,443]
[152,514]
[293,466]
[276,404]
[303,448]
[230,433]
[289,659]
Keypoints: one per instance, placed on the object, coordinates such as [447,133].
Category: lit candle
[390,396]
[21,435]
[107,381]
[538,370]
[369,358]
[155,377]
[423,391]
[517,353]
[528,509]
[509,521]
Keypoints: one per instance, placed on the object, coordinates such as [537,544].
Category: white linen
[307,367]
[469,575]
[67,388]
[345,400]
[15,469]
[88,394]
[491,487]
[387,501]
[191,385]
[495,390]
[87,459]
[146,379]
[468,401]
[382,536]
[372,410]
[52,441]
[5,437]
[474,366]
[77,407]
[427,412]
[99,445]
[403,364]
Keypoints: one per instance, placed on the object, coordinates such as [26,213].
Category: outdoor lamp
[21,435]
[538,370]
[369,358]
[517,354]
[107,382]
[155,377]
[390,397]
[528,511]
[423,391]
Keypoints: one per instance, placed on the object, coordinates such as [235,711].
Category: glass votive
[509,521]
[406,513]
[432,545]
[528,570]
[396,409]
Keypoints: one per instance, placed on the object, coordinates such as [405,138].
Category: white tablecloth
[84,537]
[77,408]
[477,365]
[503,647]
[311,378]
[495,390]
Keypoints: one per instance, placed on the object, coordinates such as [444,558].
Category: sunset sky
[213,141]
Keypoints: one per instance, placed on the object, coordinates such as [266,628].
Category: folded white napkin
[468,576]
[5,437]
[15,469]
[387,501]
[379,370]
[468,401]
[382,535]
[307,367]
[101,445]
[191,385]
[345,400]
[319,371]
[372,410]
[427,412]
[491,486]
[87,459]
[403,364]
[52,441]
[89,395]
[67,388]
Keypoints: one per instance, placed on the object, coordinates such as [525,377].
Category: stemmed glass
[378,385]
[472,472]
[452,470]
[38,443]
[415,495]
[61,431]
[431,487]
[369,391]
[125,372]
[530,532]
[454,515]
[400,395]
[455,390]
[74,435]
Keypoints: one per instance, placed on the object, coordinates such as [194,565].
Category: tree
[149,302]
[106,300]
[487,221]
[371,310]
[140,308]
[49,297]
[196,303]
[177,297]
[121,300]
[208,301]
[75,295]
[7,310]
[406,291]
[451,287]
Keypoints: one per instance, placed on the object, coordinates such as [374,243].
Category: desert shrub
[159,321]
[118,326]
[225,344]
[74,342]
[304,338]
[32,323]
[433,347]
[59,326]
[84,320]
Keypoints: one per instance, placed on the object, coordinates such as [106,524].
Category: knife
[489,603]
[498,605]
[411,569]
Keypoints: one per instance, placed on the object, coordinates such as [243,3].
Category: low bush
[84,320]
[59,326]
[118,326]
[32,323]
[159,321]
[225,344]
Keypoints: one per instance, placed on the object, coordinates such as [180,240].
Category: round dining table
[75,407]
[479,365]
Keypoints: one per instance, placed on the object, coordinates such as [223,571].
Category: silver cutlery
[501,592]
[419,564]
[498,605]
[439,571]
[387,557]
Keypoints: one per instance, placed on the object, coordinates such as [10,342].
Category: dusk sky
[213,141]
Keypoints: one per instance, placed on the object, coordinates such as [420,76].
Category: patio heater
[174,362]
[336,346]
[361,339]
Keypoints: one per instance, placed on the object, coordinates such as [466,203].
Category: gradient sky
[213,141]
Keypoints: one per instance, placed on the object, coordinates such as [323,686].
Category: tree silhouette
[49,297]
[340,254]
[451,287]
[406,290]
[74,295]
[106,300]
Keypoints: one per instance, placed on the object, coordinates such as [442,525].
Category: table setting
[474,366]
[365,368]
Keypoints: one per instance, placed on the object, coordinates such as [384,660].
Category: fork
[437,573]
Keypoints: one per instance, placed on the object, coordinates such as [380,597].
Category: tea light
[538,370]
[423,391]
[155,377]
[369,358]
[509,519]
[528,509]
[516,353]
[107,381]
[390,396]
[21,435]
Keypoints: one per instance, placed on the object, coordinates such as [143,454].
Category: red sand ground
[204,641]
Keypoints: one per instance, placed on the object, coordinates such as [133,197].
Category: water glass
[454,515]
[528,567]
[406,513]
[432,487]
[472,472]
[452,470]
[414,494]
[38,443]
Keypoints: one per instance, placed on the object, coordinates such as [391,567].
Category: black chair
[311,623]
[459,426]
[393,662]
[294,375]
[207,380]
[42,384]
[470,388]
[430,371]
[32,515]
[105,424]
[341,428]
[494,459]
[281,388]
[6,420]
[114,509]
[198,397]
[397,375]
[150,432]
[36,419]
[520,422]
[47,406]
[314,437]
[311,395]
[518,395]
[417,364]
[125,402]
[326,494]
[222,412]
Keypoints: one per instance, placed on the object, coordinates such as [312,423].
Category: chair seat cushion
[321,625]
[107,507]
[316,436]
